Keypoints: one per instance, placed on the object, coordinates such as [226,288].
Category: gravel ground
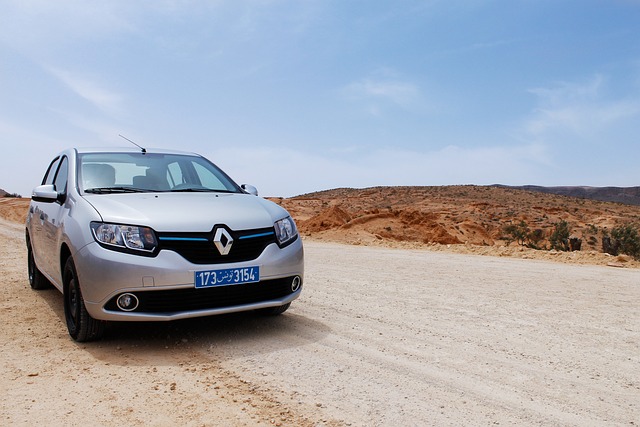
[380,337]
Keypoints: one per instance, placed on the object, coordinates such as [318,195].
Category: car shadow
[219,337]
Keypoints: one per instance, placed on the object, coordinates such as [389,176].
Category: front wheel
[82,327]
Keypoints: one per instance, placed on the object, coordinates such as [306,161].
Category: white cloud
[565,92]
[36,26]
[287,172]
[397,92]
[382,90]
[461,165]
[100,130]
[582,119]
[100,97]
[578,108]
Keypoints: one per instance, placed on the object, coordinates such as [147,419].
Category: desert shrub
[626,240]
[534,238]
[13,195]
[559,239]
[524,236]
[516,232]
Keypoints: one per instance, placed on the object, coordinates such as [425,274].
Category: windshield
[137,172]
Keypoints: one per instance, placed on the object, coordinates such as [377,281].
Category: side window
[60,182]
[51,172]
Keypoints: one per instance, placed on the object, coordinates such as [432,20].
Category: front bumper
[160,281]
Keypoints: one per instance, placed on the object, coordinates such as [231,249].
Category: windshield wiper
[200,190]
[109,190]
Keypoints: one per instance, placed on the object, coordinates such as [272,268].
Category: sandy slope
[380,337]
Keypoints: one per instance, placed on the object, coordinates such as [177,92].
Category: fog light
[127,302]
[295,283]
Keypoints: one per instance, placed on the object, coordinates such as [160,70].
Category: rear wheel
[36,280]
[82,327]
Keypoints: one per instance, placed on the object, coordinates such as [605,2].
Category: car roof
[86,150]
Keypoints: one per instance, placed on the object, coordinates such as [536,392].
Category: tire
[36,280]
[275,311]
[82,327]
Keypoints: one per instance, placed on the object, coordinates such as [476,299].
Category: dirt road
[380,337]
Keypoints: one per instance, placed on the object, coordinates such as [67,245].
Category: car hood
[187,212]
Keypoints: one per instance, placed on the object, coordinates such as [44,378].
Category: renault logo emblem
[223,241]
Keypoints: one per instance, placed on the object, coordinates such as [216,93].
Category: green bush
[523,235]
[516,232]
[534,238]
[626,239]
[559,239]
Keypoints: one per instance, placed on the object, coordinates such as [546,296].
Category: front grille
[179,300]
[198,248]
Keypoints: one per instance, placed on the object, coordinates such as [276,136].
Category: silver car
[139,235]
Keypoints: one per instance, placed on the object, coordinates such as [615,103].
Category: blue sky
[299,96]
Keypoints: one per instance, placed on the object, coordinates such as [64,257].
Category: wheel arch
[65,254]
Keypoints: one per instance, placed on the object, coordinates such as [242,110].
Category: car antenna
[144,150]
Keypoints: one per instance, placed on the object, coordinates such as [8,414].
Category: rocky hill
[475,215]
[626,195]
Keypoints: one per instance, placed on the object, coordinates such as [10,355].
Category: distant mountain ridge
[625,195]
[4,193]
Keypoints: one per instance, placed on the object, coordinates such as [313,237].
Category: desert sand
[404,333]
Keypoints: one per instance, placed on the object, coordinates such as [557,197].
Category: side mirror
[44,193]
[250,189]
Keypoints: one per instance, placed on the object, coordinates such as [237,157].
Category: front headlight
[286,231]
[128,238]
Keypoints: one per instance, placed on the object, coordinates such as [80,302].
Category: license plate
[227,276]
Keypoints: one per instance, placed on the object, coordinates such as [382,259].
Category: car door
[51,221]
[37,217]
